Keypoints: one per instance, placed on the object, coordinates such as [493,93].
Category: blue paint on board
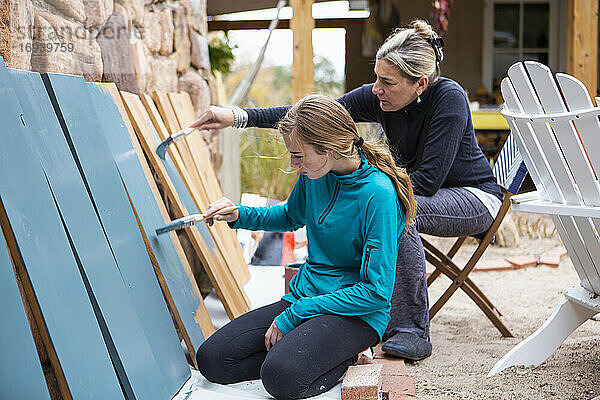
[148,345]
[183,192]
[21,375]
[185,297]
[47,257]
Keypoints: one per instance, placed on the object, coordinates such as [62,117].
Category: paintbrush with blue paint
[189,220]
[162,147]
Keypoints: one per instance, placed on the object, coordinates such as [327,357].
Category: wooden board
[199,196]
[113,283]
[231,294]
[44,253]
[184,111]
[170,264]
[21,373]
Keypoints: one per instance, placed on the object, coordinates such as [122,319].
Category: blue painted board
[183,193]
[119,224]
[46,254]
[132,356]
[21,375]
[185,297]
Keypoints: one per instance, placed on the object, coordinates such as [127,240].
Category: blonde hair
[411,51]
[322,122]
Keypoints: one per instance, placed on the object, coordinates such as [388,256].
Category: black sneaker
[407,345]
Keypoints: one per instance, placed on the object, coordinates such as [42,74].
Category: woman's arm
[374,289]
[445,131]
[280,218]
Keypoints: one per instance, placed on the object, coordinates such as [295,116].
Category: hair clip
[359,142]
[437,43]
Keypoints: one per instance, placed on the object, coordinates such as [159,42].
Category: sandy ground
[466,345]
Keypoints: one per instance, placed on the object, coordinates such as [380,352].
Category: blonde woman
[355,204]
[427,122]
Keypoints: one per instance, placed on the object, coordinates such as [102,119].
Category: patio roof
[217,7]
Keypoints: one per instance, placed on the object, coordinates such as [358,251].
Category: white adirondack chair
[557,130]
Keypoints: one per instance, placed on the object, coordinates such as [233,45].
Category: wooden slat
[139,194]
[46,257]
[194,191]
[232,296]
[21,374]
[184,111]
[303,69]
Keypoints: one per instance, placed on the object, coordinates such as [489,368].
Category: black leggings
[307,361]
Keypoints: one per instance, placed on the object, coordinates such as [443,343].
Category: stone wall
[141,45]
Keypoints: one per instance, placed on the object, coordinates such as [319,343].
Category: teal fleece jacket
[354,223]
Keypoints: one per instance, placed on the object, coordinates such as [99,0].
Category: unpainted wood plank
[21,373]
[169,119]
[167,256]
[233,297]
[184,110]
[46,257]
[199,198]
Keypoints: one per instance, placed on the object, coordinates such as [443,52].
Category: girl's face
[393,90]
[307,160]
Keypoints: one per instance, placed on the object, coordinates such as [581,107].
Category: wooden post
[583,42]
[302,24]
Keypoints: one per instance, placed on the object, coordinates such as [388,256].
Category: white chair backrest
[556,138]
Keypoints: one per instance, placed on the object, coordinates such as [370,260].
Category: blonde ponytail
[379,156]
[325,124]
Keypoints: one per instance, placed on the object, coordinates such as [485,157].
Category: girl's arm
[280,218]
[374,289]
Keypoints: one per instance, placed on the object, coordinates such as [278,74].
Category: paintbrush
[189,220]
[162,147]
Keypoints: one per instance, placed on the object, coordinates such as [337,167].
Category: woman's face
[393,90]
[307,160]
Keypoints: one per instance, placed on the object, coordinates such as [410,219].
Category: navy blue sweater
[434,139]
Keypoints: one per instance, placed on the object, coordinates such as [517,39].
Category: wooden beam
[303,69]
[217,7]
[582,40]
[223,25]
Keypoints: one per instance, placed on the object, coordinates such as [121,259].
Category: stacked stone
[141,45]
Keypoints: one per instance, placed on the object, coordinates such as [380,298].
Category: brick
[398,384]
[559,251]
[392,366]
[362,382]
[493,265]
[549,260]
[289,274]
[522,261]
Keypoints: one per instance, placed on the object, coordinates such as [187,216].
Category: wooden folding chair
[510,172]
[556,127]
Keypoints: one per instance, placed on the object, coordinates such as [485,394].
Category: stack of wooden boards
[107,300]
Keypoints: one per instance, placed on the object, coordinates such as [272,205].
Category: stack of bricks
[550,258]
[383,375]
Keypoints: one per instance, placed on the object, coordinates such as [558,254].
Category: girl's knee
[280,378]
[210,364]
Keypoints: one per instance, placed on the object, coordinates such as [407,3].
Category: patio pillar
[583,42]
[302,24]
